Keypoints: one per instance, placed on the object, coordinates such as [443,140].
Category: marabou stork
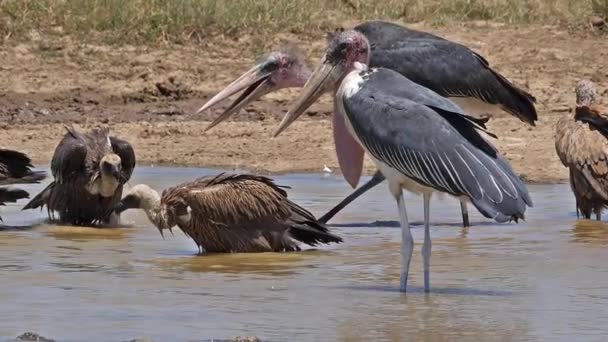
[90,170]
[419,140]
[582,146]
[230,213]
[450,69]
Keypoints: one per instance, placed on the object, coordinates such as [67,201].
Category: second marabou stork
[448,68]
[421,141]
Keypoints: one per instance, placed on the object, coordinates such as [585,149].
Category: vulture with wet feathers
[89,171]
[231,213]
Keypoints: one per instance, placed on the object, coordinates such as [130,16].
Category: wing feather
[422,144]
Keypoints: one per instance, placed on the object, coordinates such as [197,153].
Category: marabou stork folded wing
[400,86]
[127,156]
[425,146]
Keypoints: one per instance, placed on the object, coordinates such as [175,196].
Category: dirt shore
[147,95]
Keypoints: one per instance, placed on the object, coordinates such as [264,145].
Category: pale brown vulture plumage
[231,213]
[582,146]
[16,168]
[90,170]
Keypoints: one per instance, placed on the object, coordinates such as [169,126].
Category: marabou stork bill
[419,140]
[229,213]
[448,68]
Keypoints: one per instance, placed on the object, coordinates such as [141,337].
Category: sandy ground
[147,95]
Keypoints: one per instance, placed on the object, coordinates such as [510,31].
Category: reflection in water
[591,232]
[253,263]
[537,280]
[86,233]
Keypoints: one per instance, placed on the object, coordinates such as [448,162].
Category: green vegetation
[139,21]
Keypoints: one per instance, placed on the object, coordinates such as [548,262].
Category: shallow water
[543,279]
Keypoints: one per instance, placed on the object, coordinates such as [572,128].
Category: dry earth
[148,94]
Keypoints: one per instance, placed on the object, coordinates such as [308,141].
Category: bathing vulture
[230,213]
[89,171]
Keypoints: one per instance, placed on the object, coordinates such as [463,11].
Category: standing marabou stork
[582,146]
[450,69]
[90,170]
[231,213]
[16,168]
[419,140]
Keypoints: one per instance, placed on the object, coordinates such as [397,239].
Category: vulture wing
[69,158]
[125,151]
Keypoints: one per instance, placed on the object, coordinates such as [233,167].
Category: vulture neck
[150,203]
[104,185]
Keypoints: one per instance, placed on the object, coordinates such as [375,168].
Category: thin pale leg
[465,213]
[407,243]
[114,220]
[426,246]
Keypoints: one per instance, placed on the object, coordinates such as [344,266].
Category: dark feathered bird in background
[15,168]
[89,170]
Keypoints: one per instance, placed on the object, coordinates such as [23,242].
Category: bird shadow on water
[397,224]
[417,290]
[242,263]
[4,227]
[590,232]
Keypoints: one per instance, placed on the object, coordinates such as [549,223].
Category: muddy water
[543,279]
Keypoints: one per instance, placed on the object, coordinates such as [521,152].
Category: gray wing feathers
[395,84]
[421,144]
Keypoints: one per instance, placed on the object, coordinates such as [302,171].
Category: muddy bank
[148,95]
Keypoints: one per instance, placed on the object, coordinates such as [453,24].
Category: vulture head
[141,196]
[110,172]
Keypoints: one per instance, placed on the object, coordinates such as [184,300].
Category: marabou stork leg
[465,213]
[426,246]
[407,242]
[598,215]
[376,179]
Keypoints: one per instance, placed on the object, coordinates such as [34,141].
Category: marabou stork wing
[422,144]
[69,159]
[448,68]
[127,156]
[15,167]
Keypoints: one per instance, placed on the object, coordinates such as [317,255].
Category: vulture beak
[256,82]
[129,202]
[116,172]
[324,78]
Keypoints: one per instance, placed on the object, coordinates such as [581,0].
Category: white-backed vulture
[231,213]
[583,148]
[15,168]
[89,171]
